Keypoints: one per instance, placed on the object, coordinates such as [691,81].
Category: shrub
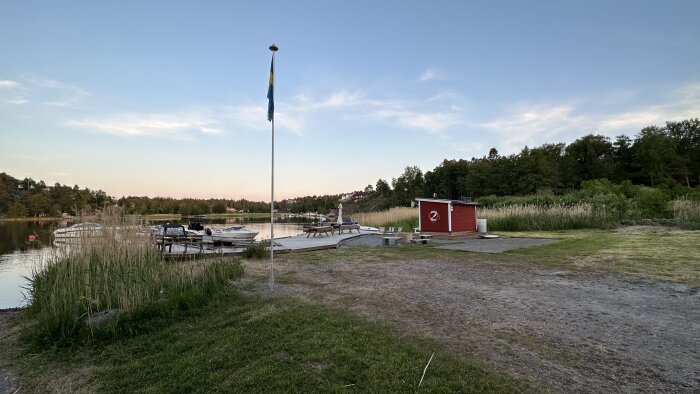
[256,250]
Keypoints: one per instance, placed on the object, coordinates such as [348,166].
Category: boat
[80,230]
[232,234]
[174,230]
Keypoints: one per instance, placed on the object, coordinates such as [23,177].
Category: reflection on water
[15,268]
[18,256]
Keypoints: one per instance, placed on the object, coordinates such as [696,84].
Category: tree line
[666,157]
[658,156]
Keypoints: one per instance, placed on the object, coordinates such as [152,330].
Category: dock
[299,243]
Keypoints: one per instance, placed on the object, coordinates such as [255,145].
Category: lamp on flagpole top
[273,47]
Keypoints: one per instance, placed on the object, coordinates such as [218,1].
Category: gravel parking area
[496,245]
[560,331]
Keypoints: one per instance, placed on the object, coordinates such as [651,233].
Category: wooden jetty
[185,248]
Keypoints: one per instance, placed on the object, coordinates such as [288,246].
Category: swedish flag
[270,92]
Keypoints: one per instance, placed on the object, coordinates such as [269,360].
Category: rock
[551,273]
[100,318]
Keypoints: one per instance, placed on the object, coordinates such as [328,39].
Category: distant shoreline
[158,216]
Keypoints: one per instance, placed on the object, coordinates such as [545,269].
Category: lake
[18,256]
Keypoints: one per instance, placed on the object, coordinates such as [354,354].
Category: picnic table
[348,227]
[318,230]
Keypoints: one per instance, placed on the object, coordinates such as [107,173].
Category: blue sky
[168,98]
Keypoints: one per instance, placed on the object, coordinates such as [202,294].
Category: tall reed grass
[686,209]
[553,217]
[395,217]
[121,271]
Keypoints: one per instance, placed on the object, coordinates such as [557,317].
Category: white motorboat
[76,231]
[232,234]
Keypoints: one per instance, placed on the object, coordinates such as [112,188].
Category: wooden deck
[299,243]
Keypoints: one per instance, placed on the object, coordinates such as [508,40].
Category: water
[18,256]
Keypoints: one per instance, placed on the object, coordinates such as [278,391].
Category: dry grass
[685,209]
[537,218]
[388,217]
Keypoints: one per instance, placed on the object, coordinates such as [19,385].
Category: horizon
[169,99]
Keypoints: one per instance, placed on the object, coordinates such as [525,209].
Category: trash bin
[481,226]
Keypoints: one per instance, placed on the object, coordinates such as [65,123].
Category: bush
[256,250]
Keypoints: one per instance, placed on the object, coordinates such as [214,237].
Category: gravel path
[569,332]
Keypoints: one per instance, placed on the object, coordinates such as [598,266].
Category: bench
[422,239]
[348,227]
[391,241]
[318,230]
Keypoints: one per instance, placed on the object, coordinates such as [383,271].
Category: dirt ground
[7,379]
[562,331]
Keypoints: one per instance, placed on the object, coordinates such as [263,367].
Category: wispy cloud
[429,74]
[254,117]
[181,127]
[40,91]
[56,93]
[12,92]
[534,124]
[6,84]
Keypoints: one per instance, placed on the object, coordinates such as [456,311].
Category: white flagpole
[273,48]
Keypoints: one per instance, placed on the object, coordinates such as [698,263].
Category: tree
[657,154]
[589,157]
[383,188]
[686,134]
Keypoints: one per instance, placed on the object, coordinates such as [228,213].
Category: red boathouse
[446,216]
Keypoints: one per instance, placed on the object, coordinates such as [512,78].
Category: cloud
[432,122]
[56,93]
[12,92]
[429,74]
[535,124]
[356,104]
[255,117]
[40,91]
[6,84]
[180,127]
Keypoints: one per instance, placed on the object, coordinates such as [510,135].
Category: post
[273,48]
[272,207]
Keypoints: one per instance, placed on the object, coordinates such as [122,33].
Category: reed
[395,217]
[553,217]
[119,271]
[686,209]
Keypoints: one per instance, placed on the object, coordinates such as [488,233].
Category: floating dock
[299,243]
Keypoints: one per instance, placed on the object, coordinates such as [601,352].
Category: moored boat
[80,230]
[233,234]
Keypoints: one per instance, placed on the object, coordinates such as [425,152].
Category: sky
[168,98]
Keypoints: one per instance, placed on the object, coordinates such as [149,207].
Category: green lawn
[245,345]
[672,255]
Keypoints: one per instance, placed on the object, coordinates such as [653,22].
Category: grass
[672,255]
[245,345]
[118,271]
[393,217]
[537,217]
[234,343]
[686,210]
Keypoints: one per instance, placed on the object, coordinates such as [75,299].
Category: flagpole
[273,48]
